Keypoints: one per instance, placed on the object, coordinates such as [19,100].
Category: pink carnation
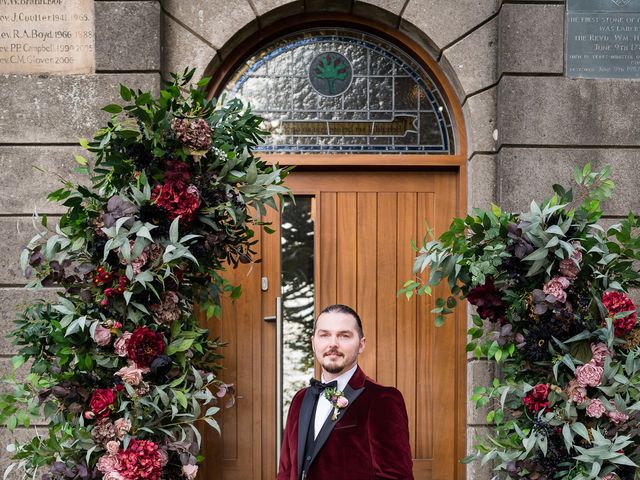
[618,417]
[589,374]
[113,447]
[108,463]
[120,345]
[113,476]
[556,287]
[596,408]
[600,352]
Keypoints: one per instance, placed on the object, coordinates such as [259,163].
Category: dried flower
[599,352]
[122,427]
[167,311]
[102,336]
[103,431]
[120,345]
[617,417]
[195,133]
[575,392]
[556,287]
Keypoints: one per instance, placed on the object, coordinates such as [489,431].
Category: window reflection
[298,291]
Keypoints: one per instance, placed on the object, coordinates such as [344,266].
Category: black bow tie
[318,387]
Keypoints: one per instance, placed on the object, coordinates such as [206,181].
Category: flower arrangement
[119,365]
[337,399]
[550,290]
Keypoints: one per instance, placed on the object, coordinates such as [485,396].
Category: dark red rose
[101,402]
[618,302]
[537,398]
[488,302]
[144,345]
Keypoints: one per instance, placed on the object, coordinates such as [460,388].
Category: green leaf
[173,231]
[182,400]
[125,93]
[112,108]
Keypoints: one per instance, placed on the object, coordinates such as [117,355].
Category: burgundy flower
[538,398]
[101,402]
[144,345]
[488,302]
[177,200]
[618,302]
[195,133]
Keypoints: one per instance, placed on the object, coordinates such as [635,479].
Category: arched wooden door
[361,225]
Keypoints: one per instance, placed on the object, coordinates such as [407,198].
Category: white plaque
[47,36]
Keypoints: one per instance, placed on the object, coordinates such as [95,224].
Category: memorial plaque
[603,39]
[47,36]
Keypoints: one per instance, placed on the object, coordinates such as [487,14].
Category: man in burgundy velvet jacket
[353,430]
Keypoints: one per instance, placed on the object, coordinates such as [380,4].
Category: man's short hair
[339,308]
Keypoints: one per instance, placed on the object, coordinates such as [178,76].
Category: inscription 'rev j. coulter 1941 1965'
[47,36]
[603,39]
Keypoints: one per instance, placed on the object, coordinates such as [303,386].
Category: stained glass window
[340,91]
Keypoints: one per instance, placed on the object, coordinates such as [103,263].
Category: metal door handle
[279,392]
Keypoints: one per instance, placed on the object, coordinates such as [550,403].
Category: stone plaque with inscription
[603,39]
[47,36]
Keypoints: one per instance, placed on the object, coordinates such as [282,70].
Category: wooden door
[364,225]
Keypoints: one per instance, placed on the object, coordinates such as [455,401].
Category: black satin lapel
[304,418]
[329,424]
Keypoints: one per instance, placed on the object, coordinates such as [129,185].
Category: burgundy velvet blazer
[369,440]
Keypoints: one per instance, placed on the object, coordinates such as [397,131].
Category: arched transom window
[341,91]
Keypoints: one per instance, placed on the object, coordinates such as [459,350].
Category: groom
[348,427]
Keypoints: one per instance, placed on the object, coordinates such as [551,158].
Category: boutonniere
[337,399]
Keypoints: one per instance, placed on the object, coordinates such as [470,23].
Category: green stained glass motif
[343,91]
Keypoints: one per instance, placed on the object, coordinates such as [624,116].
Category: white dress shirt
[324,407]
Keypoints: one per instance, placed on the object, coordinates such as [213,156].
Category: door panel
[364,223]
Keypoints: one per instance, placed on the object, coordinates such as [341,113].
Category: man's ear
[363,343]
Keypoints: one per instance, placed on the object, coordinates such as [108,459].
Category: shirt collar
[344,378]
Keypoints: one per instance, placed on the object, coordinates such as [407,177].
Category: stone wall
[41,119]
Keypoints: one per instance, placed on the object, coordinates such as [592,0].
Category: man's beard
[335,367]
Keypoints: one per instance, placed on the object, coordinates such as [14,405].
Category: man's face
[336,343]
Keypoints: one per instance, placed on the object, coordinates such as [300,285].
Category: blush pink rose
[190,471]
[113,447]
[102,336]
[120,345]
[556,287]
[575,392]
[617,417]
[132,375]
[596,408]
[589,374]
[342,402]
[123,426]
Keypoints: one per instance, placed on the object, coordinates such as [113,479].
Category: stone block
[216,21]
[531,38]
[38,171]
[182,49]
[473,58]
[480,115]
[444,21]
[17,232]
[394,7]
[480,373]
[526,174]
[475,470]
[264,7]
[14,301]
[482,181]
[560,111]
[61,109]
[128,35]
[19,435]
